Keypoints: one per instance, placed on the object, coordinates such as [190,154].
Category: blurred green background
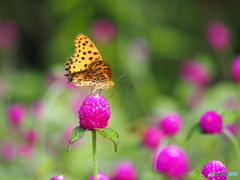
[148,41]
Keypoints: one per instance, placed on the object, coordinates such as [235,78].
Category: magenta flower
[172,161]
[101,176]
[235,68]
[94,112]
[212,167]
[25,150]
[195,72]
[16,113]
[9,33]
[152,137]
[218,35]
[170,123]
[57,178]
[125,170]
[103,30]
[31,136]
[8,150]
[211,122]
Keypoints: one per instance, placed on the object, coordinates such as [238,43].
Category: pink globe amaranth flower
[124,170]
[216,167]
[94,112]
[103,30]
[8,150]
[235,68]
[25,150]
[16,113]
[218,35]
[170,123]
[139,49]
[211,122]
[57,178]
[101,176]
[195,72]
[172,161]
[9,33]
[152,137]
[31,136]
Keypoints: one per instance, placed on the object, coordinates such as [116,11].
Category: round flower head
[218,35]
[103,30]
[195,72]
[152,137]
[213,167]
[8,150]
[124,170]
[31,136]
[235,68]
[16,113]
[211,122]
[170,123]
[101,176]
[94,112]
[172,161]
[57,178]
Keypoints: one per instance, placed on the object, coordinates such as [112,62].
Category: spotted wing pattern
[86,67]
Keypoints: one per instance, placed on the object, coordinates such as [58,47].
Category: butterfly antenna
[125,84]
[121,76]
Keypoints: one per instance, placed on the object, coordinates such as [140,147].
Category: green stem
[234,141]
[94,146]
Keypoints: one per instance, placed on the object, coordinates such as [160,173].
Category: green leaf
[77,133]
[195,128]
[196,174]
[111,135]
[229,116]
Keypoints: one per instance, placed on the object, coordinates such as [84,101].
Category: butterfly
[86,67]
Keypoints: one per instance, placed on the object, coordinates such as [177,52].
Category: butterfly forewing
[86,67]
[85,53]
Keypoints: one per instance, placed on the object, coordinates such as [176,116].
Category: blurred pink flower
[152,137]
[218,35]
[125,170]
[195,72]
[26,150]
[139,49]
[103,30]
[101,176]
[9,33]
[16,113]
[8,150]
[172,161]
[233,128]
[57,178]
[31,136]
[37,109]
[235,68]
[170,123]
